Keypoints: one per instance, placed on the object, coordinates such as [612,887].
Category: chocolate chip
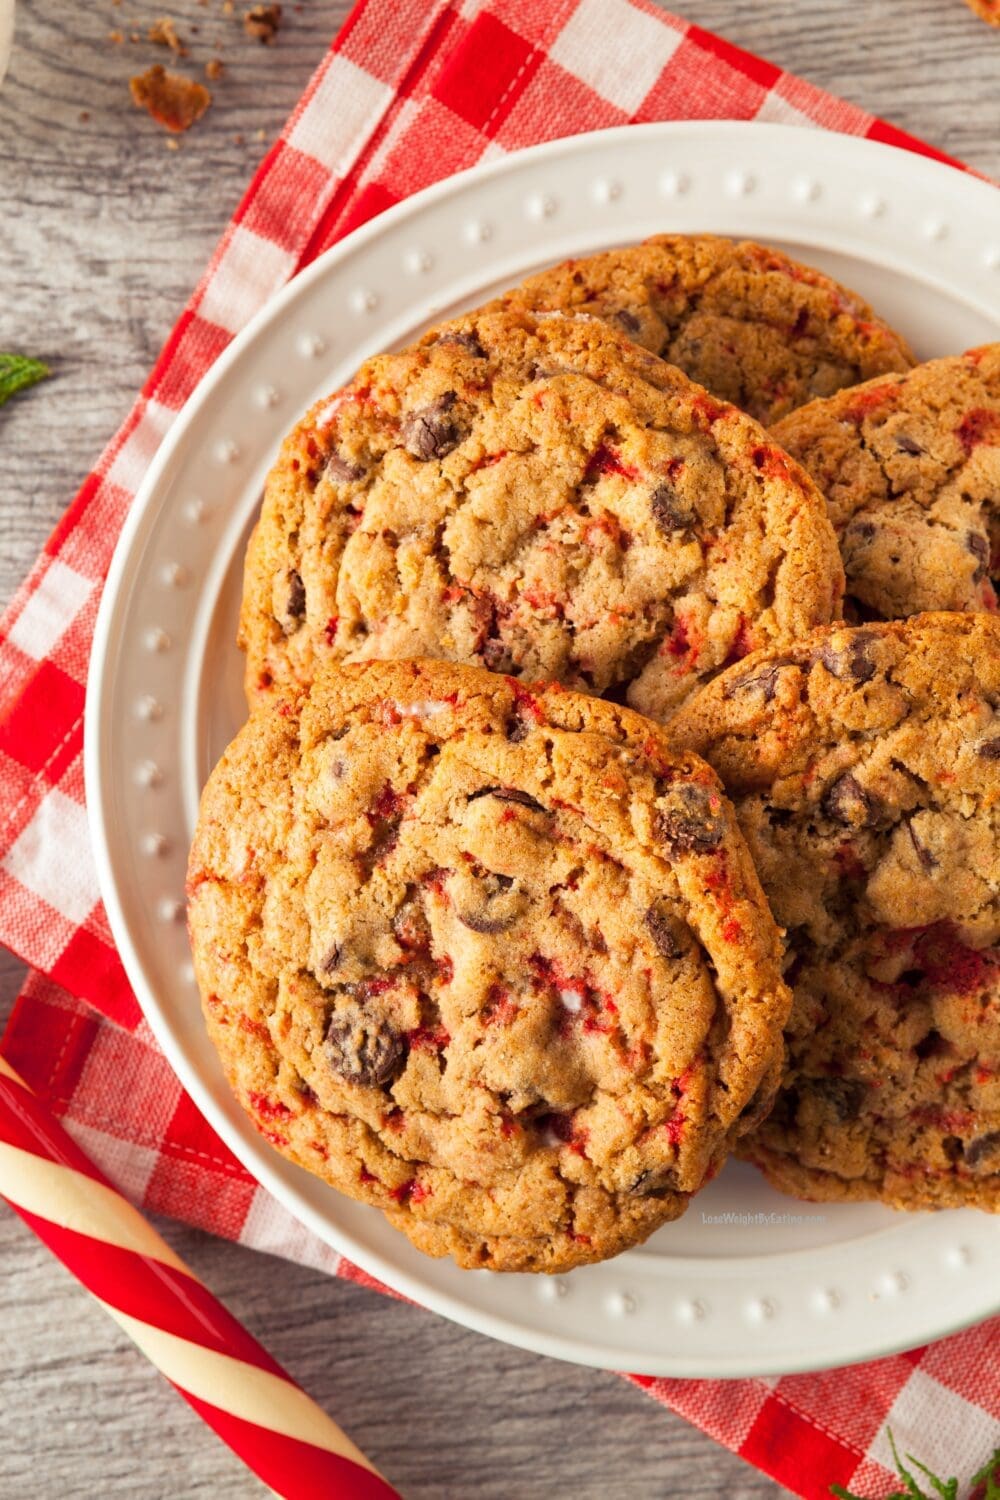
[410,926]
[989,749]
[689,819]
[847,802]
[508,794]
[296,607]
[432,431]
[663,929]
[628,320]
[331,961]
[845,1096]
[467,341]
[652,1184]
[486,916]
[763,680]
[925,858]
[517,728]
[933,1045]
[980,549]
[852,660]
[981,1147]
[669,511]
[907,444]
[496,656]
[757,1107]
[363,1048]
[862,531]
[340,471]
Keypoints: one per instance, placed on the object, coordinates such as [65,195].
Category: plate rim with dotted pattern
[748,1282]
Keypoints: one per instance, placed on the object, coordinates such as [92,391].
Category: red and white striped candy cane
[229,1379]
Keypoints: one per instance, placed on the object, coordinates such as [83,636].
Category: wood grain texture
[105,230]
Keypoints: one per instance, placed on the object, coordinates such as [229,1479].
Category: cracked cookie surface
[493,959]
[747,322]
[865,769]
[910,466]
[538,496]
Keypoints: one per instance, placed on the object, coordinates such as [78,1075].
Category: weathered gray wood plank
[103,232]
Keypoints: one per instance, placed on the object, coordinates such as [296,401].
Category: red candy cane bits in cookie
[865,768]
[538,496]
[501,966]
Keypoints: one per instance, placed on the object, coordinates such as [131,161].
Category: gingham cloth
[409,92]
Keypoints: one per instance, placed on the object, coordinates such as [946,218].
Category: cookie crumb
[173,101]
[116,38]
[164,34]
[214,68]
[172,143]
[262,22]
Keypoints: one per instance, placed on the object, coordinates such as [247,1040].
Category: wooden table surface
[103,231]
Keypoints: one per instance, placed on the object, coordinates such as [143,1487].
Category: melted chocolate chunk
[362,1047]
[847,802]
[924,855]
[845,1096]
[906,444]
[763,680]
[989,749]
[627,320]
[689,819]
[467,341]
[852,661]
[508,794]
[651,1184]
[340,471]
[669,511]
[432,431]
[980,549]
[663,929]
[983,1146]
[484,916]
[331,960]
[517,728]
[295,607]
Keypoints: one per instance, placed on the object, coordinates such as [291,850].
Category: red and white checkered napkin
[410,92]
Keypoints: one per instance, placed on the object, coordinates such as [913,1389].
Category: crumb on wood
[173,101]
[238,139]
[172,143]
[214,68]
[260,135]
[116,38]
[164,33]
[228,7]
[134,36]
[262,22]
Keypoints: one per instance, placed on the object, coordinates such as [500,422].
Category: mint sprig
[18,372]
[982,1486]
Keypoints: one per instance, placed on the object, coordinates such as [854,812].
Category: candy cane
[229,1379]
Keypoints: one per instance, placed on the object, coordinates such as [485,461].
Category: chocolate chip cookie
[492,958]
[865,768]
[538,496]
[753,326]
[910,466]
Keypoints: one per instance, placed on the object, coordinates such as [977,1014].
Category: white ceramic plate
[778,1285]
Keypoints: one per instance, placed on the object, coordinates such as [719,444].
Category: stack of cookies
[621,787]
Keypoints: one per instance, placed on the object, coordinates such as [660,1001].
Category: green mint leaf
[17,373]
[946,1488]
[989,1475]
[988,1479]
